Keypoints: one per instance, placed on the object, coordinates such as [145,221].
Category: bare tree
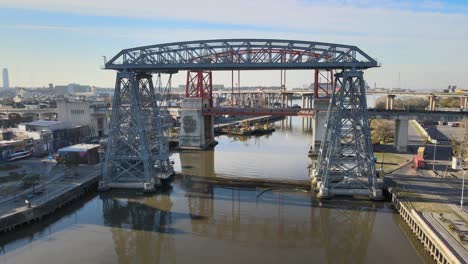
[382,131]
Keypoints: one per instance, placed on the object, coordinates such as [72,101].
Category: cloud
[415,37]
[335,16]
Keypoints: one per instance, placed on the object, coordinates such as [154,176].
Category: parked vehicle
[19,155]
[296,106]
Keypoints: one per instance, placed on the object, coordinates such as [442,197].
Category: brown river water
[190,220]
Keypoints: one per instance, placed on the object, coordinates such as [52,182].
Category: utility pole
[435,148]
[463,188]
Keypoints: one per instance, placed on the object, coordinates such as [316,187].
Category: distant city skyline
[6,79]
[420,43]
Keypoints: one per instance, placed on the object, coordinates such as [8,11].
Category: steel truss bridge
[137,144]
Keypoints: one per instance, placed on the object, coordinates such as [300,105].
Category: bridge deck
[309,112]
[217,111]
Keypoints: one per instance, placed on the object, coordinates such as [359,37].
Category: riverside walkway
[62,186]
[434,201]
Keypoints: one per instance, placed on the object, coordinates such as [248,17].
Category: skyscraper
[6,80]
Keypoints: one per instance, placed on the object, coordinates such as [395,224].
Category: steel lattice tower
[346,160]
[137,154]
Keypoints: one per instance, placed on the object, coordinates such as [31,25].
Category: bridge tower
[137,153]
[346,160]
[197,130]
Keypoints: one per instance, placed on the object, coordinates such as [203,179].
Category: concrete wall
[422,131]
[196,130]
[79,113]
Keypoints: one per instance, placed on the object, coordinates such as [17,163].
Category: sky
[425,42]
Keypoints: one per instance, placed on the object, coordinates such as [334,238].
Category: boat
[263,129]
[239,130]
[247,130]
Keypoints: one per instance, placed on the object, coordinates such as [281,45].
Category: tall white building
[83,113]
[6,80]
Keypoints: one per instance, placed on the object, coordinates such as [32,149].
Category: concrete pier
[197,130]
[432,102]
[390,102]
[401,135]
[319,120]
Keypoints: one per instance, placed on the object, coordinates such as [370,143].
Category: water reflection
[286,123]
[280,155]
[306,124]
[347,230]
[147,227]
[193,221]
[141,227]
[197,163]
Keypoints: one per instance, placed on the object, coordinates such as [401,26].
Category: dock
[47,198]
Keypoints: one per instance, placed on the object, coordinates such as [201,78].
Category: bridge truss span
[137,133]
[237,54]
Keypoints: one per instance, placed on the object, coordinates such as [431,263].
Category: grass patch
[6,167]
[12,177]
[391,161]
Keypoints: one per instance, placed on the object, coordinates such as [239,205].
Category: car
[295,106]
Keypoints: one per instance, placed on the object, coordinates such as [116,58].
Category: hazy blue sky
[63,41]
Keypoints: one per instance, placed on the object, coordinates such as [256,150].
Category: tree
[460,148]
[69,162]
[31,180]
[382,131]
[406,103]
[450,102]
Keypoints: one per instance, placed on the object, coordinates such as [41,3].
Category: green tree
[31,180]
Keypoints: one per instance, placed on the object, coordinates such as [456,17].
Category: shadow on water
[50,224]
[140,212]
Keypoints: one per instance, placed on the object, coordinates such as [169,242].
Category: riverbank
[55,195]
[428,205]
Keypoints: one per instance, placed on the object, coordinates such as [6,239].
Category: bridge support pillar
[390,102]
[319,120]
[308,101]
[432,102]
[464,102]
[346,159]
[197,130]
[137,154]
[401,135]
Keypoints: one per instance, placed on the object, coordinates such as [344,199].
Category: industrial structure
[136,145]
[137,152]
